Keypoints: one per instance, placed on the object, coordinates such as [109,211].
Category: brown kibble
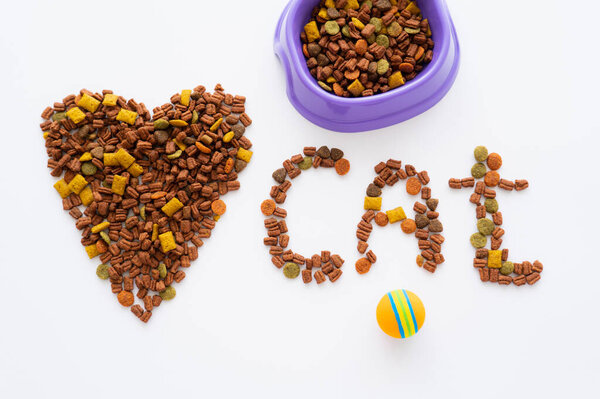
[306,276]
[413,186]
[361,47]
[362,247]
[363,265]
[267,207]
[319,277]
[381,219]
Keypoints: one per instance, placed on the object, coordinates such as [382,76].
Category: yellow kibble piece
[135,170]
[178,123]
[494,259]
[228,137]
[167,241]
[216,125]
[110,100]
[323,13]
[244,154]
[172,206]
[86,195]
[126,116]
[396,215]
[89,103]
[216,218]
[312,32]
[179,144]
[92,251]
[351,5]
[87,156]
[118,184]
[77,184]
[358,24]
[412,7]
[124,158]
[394,2]
[45,135]
[76,115]
[110,159]
[330,3]
[63,188]
[154,232]
[373,203]
[100,226]
[185,97]
[331,79]
[396,80]
[356,88]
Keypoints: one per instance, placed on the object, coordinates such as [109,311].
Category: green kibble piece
[478,170]
[394,29]
[412,31]
[368,3]
[382,67]
[175,155]
[59,116]
[105,237]
[306,163]
[383,40]
[481,153]
[162,270]
[161,124]
[377,23]
[291,270]
[168,293]
[491,205]
[371,39]
[102,271]
[332,28]
[346,31]
[324,86]
[478,240]
[507,268]
[143,212]
[485,226]
[194,116]
[88,168]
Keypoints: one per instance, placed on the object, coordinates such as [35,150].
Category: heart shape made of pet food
[150,184]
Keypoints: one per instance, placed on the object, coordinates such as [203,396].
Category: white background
[527,88]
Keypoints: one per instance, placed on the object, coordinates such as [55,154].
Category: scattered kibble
[359,50]
[151,183]
[493,264]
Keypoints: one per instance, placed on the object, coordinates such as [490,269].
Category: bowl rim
[294,46]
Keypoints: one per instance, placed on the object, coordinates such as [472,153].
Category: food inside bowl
[359,49]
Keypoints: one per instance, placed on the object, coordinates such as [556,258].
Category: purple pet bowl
[366,113]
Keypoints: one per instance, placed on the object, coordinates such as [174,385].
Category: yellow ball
[400,313]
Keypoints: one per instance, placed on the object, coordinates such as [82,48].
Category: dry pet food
[426,225]
[321,266]
[492,262]
[360,49]
[150,184]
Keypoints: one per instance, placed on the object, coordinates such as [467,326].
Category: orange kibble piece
[218,207]
[268,207]
[408,226]
[492,178]
[342,166]
[420,260]
[381,219]
[494,161]
[158,195]
[229,165]
[125,298]
[363,265]
[413,186]
[202,148]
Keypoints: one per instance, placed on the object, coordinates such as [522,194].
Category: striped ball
[400,313]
